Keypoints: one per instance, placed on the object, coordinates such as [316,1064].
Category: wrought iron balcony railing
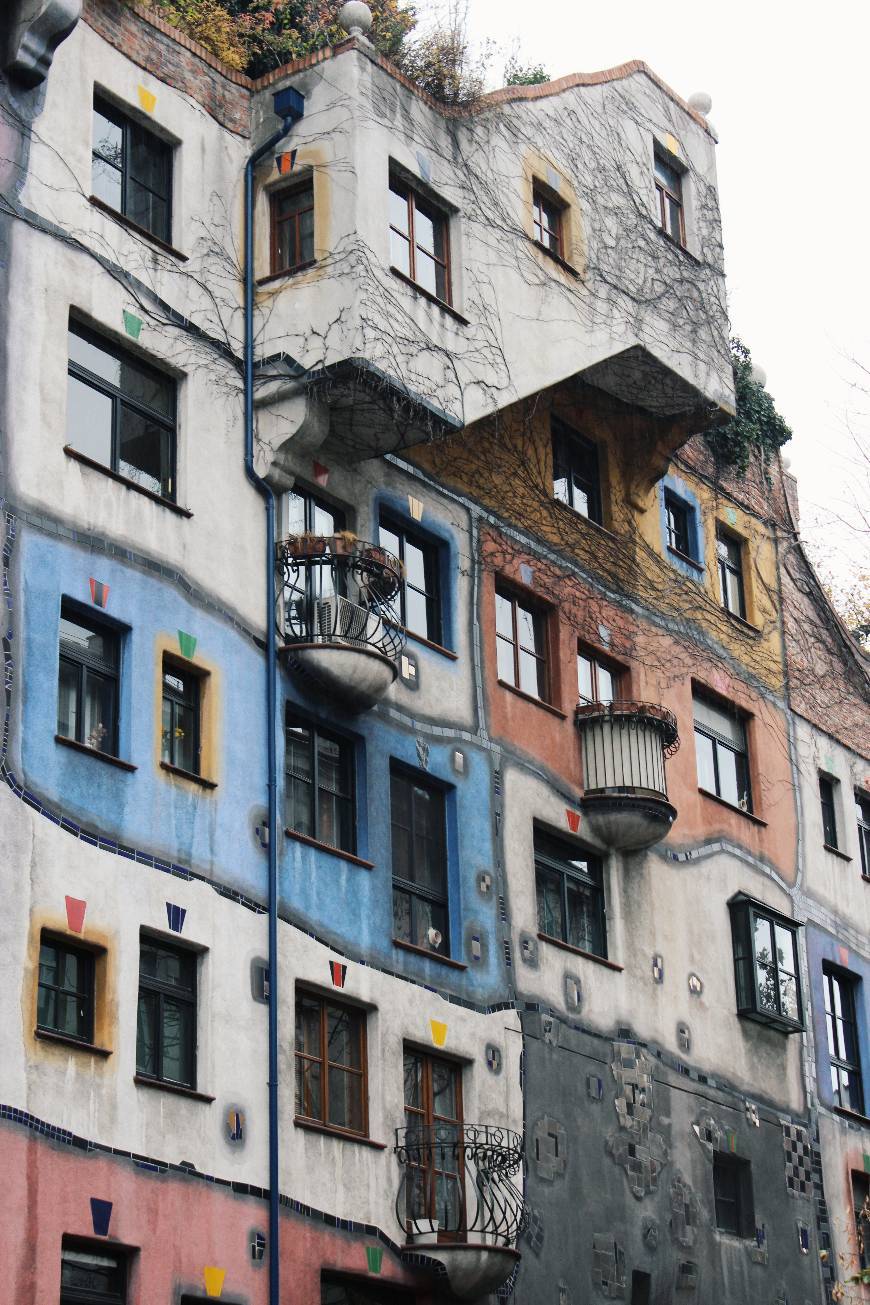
[340,590]
[458,1184]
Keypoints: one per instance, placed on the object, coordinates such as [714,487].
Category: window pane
[178,1041]
[99,712]
[389,540]
[583,911]
[668,175]
[721,721]
[70,1015]
[529,630]
[89,421]
[92,642]
[146,385]
[579,497]
[674,222]
[308,1088]
[90,355]
[400,253]
[101,1276]
[416,612]
[401,915]
[67,700]
[426,272]
[504,616]
[605,685]
[306,236]
[415,565]
[150,160]
[549,894]
[166,744]
[729,782]
[308,1026]
[444,1089]
[706,766]
[505,656]
[46,1008]
[143,452]
[108,139]
[147,209]
[424,231]
[186,751]
[146,1033]
[398,211]
[343,1037]
[106,182]
[413,1077]
[584,678]
[345,1099]
[531,675]
[335,821]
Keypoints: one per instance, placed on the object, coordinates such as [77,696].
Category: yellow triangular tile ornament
[439,1032]
[214,1280]
[147,99]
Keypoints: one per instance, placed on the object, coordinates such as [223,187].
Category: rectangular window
[419,843]
[419,596]
[732,1189]
[166,1024]
[862,812]
[828,803]
[132,170]
[641,1286]
[842,1028]
[729,556]
[120,412]
[576,473]
[721,753]
[521,644]
[547,221]
[65,1001]
[419,244]
[180,729]
[570,894]
[319,785]
[331,1068]
[861,1206]
[434,1186]
[766,969]
[338,1289]
[669,192]
[92,1274]
[597,681]
[679,523]
[292,216]
[87,695]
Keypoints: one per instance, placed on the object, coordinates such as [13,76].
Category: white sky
[789,86]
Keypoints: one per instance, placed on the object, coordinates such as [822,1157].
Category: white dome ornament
[701,102]
[355,17]
[759,375]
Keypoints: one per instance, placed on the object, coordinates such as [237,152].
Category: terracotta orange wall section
[660,667]
[179,1226]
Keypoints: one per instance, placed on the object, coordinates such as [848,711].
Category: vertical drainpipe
[290,106]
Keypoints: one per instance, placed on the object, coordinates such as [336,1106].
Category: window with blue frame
[320,788]
[842,1007]
[420,592]
[680,526]
[419,842]
[88,680]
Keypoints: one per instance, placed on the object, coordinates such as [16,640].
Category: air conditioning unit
[339,618]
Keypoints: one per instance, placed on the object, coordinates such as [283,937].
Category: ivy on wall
[757,430]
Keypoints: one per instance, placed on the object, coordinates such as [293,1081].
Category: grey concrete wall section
[620,1180]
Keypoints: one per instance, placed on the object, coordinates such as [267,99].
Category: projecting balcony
[625,745]
[341,628]
[458,1202]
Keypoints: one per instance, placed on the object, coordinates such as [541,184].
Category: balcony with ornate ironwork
[339,618]
[459,1202]
[625,745]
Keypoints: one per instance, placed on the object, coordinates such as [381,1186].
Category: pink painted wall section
[179,1227]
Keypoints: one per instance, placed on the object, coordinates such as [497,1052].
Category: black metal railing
[458,1183]
[338,589]
[625,745]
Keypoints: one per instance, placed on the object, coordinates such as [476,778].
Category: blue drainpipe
[290,106]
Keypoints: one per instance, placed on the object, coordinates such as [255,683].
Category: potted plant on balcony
[343,542]
[306,545]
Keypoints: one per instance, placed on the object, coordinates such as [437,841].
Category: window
[861,1206]
[570,892]
[132,170]
[720,747]
[65,1000]
[120,412]
[292,216]
[576,475]
[680,526]
[419,862]
[336,1289]
[434,1187]
[180,730]
[669,191]
[766,970]
[547,221]
[842,1027]
[419,246]
[597,681]
[419,597]
[862,811]
[331,1067]
[729,557]
[828,802]
[87,694]
[521,644]
[319,785]
[92,1275]
[641,1286]
[732,1190]
[166,1024]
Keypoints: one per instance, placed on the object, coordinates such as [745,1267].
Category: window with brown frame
[419,240]
[331,1064]
[435,1190]
[669,192]
[292,220]
[597,680]
[521,644]
[547,221]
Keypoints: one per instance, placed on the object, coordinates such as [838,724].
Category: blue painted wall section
[678,487]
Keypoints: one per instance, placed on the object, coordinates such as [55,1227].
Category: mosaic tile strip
[638,1147]
[798,1160]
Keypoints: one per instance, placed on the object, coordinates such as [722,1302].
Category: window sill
[94,752]
[327,847]
[683,249]
[863,1120]
[748,815]
[689,561]
[188,774]
[844,856]
[528,697]
[557,258]
[427,294]
[49,1035]
[432,956]
[285,273]
[582,517]
[125,481]
[741,622]
[428,643]
[162,1086]
[124,221]
[341,1134]
[578,951]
